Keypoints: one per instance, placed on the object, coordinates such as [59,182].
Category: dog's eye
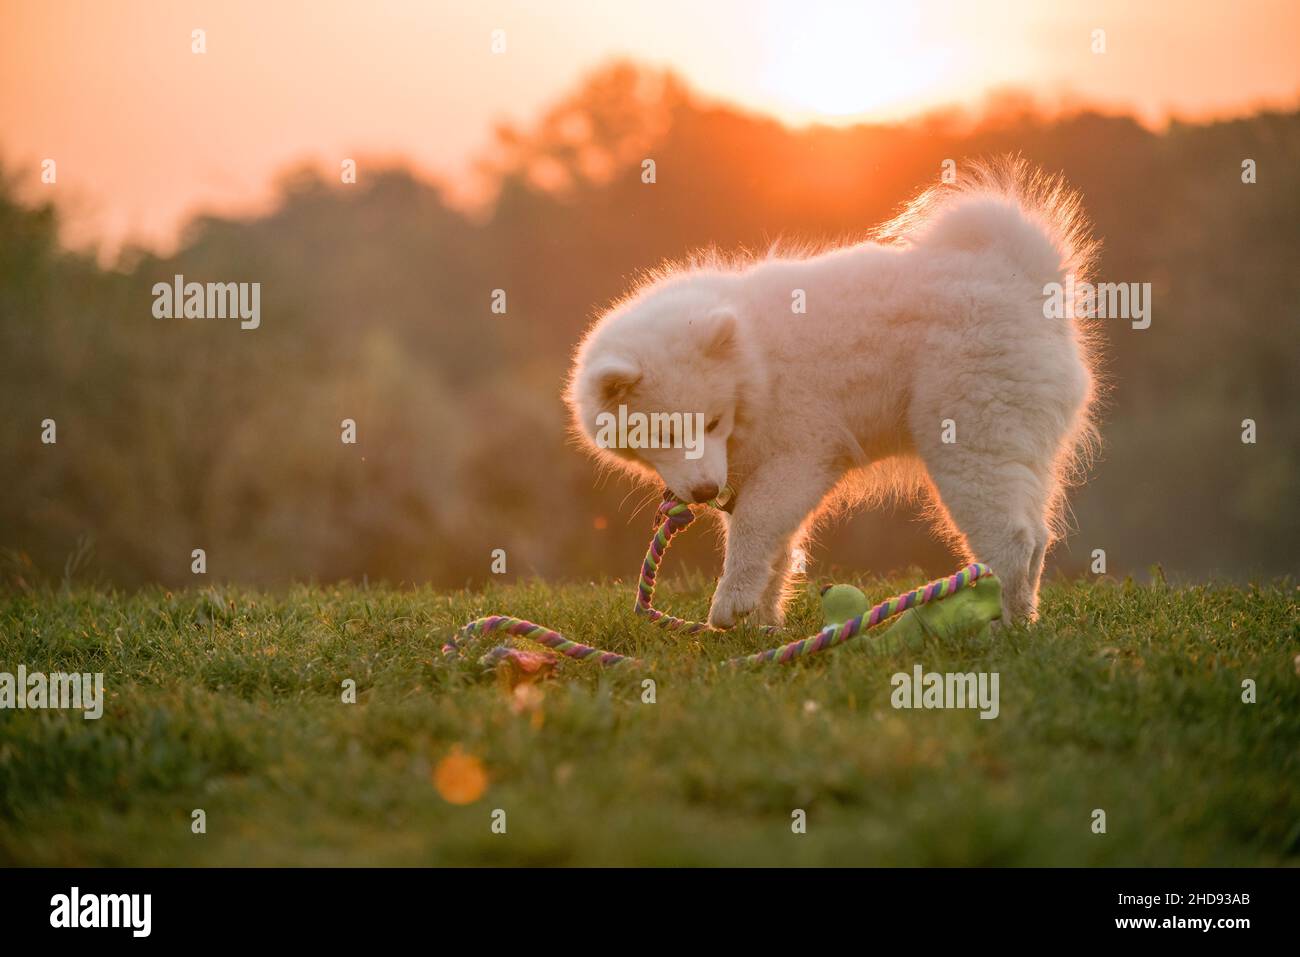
[714,424]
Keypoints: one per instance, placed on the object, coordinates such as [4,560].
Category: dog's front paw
[770,614]
[729,607]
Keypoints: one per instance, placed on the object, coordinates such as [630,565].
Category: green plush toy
[968,611]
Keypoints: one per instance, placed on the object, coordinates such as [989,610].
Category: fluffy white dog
[922,360]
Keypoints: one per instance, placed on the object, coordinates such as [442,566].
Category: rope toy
[677,516]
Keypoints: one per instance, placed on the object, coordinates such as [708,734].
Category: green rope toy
[968,607]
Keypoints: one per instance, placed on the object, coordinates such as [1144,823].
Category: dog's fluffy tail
[1034,219]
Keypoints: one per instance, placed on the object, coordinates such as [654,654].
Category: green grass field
[1125,698]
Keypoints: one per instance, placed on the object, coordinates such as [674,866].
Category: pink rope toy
[676,517]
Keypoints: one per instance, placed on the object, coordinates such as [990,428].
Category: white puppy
[923,353]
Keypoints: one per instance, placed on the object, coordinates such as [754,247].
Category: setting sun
[840,62]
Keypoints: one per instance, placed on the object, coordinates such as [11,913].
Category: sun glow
[842,60]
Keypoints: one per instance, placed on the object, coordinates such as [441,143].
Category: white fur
[939,317]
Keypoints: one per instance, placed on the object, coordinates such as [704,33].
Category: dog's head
[655,386]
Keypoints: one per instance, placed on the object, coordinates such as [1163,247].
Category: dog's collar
[726,500]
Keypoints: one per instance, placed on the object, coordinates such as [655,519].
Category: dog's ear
[614,380]
[718,333]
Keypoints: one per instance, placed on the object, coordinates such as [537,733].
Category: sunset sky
[146,132]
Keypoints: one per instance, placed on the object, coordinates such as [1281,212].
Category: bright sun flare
[847,59]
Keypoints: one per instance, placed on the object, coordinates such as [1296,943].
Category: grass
[1123,697]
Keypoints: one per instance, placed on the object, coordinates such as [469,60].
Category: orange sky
[144,131]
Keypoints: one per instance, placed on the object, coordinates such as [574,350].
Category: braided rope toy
[676,517]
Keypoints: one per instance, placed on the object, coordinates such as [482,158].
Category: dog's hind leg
[998,511]
[994,435]
[995,484]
